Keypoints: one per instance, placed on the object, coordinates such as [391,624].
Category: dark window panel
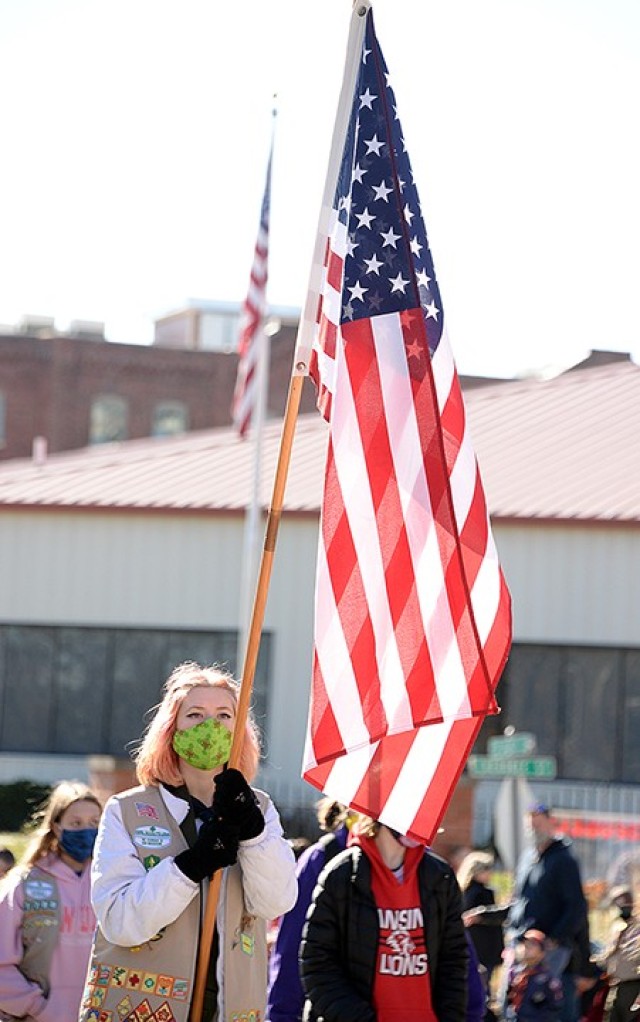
[27,667]
[533,691]
[81,680]
[139,658]
[630,760]
[590,689]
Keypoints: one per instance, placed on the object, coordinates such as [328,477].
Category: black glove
[235,803]
[215,846]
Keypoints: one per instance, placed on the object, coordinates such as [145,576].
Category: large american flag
[245,395]
[412,616]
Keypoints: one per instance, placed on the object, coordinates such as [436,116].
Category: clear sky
[135,137]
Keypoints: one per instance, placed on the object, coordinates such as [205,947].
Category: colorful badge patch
[38,890]
[150,861]
[164,1014]
[124,1007]
[152,837]
[145,809]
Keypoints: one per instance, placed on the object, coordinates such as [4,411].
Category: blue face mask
[79,843]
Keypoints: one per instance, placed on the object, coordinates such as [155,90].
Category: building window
[170,418]
[92,687]
[109,419]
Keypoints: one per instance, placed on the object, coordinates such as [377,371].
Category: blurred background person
[534,994]
[285,999]
[7,861]
[46,918]
[474,877]
[621,959]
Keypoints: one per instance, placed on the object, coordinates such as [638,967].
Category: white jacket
[133,904]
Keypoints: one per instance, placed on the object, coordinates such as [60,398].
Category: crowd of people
[101,918]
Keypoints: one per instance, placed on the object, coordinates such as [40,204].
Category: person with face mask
[621,959]
[157,847]
[384,937]
[46,919]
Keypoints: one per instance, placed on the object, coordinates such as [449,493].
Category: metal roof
[561,449]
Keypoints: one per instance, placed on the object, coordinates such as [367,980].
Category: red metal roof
[566,448]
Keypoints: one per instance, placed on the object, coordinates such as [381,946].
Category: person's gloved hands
[215,846]
[235,803]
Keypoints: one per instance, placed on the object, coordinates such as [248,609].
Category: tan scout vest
[154,982]
[40,926]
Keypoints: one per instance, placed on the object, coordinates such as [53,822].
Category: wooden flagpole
[300,370]
[250,661]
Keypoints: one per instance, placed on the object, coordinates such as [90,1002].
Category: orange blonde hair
[156,760]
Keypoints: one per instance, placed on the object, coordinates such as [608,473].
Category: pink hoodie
[21,998]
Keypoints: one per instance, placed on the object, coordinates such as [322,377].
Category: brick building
[78,389]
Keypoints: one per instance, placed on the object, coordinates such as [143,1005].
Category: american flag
[412,616]
[245,395]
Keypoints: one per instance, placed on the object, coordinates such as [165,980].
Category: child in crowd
[533,993]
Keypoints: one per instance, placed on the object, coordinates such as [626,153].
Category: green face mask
[205,746]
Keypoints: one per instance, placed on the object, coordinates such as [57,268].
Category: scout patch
[150,861]
[146,809]
[152,837]
[39,890]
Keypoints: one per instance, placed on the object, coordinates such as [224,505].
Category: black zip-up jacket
[340,941]
[549,895]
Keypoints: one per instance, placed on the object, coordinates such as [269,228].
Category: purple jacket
[285,997]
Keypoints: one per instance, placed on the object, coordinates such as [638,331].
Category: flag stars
[365,219]
[414,349]
[382,192]
[366,99]
[398,283]
[357,292]
[358,173]
[423,279]
[374,145]
[432,311]
[373,265]
[351,244]
[389,238]
[408,215]
[416,247]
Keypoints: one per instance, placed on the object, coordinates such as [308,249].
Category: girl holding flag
[158,845]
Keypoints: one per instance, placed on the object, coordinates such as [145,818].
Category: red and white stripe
[412,612]
[245,395]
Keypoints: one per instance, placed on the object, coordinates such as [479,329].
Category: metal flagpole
[251,541]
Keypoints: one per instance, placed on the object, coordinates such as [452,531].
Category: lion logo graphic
[400,941]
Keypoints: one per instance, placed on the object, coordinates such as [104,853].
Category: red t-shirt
[402,988]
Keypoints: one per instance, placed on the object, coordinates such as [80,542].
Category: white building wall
[569,584]
[573,584]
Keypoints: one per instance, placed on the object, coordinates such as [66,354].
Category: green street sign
[498,766]
[521,744]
